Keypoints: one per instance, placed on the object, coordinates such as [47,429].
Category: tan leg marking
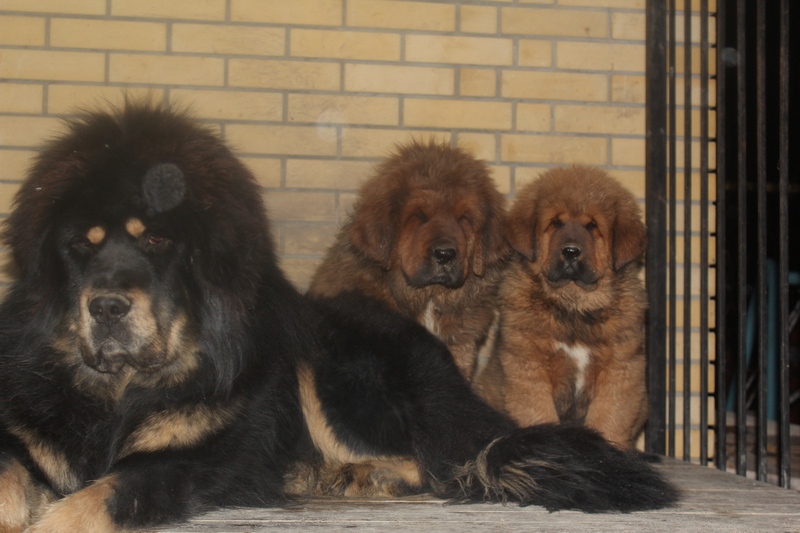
[21,499]
[381,478]
[177,428]
[375,479]
[53,462]
[345,472]
[321,433]
[85,511]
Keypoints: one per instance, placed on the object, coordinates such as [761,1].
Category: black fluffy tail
[560,467]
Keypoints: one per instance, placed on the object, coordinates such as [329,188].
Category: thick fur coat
[426,238]
[571,343]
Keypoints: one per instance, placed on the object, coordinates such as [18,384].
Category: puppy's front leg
[619,409]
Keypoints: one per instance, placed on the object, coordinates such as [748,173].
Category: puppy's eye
[591,226]
[420,216]
[556,223]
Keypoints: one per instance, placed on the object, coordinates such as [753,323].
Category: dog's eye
[420,215]
[82,246]
[154,239]
[591,226]
[556,223]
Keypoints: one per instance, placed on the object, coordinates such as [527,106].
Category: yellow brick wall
[312,92]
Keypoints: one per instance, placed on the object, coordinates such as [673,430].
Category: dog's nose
[571,252]
[108,310]
[444,256]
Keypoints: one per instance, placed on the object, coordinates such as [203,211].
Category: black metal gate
[723,267]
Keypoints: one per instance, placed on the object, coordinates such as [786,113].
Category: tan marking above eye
[134,227]
[96,234]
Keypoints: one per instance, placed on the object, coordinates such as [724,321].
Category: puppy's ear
[629,239]
[522,227]
[372,229]
[490,245]
[522,238]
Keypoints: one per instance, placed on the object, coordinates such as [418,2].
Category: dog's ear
[490,246]
[629,239]
[371,229]
[521,235]
[522,226]
[29,231]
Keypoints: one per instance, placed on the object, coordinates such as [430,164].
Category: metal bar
[741,184]
[704,233]
[687,230]
[655,212]
[672,157]
[720,298]
[784,463]
[761,240]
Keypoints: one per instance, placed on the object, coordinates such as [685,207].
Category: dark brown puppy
[572,312]
[426,238]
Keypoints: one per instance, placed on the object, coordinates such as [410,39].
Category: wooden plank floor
[712,501]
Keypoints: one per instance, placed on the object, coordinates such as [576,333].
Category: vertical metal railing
[740,253]
[784,464]
[656,215]
[687,230]
[720,235]
[704,230]
[673,229]
[761,240]
[751,188]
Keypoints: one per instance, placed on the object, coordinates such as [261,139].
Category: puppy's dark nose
[108,310]
[444,256]
[570,252]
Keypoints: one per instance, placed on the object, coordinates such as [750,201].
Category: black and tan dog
[571,343]
[155,363]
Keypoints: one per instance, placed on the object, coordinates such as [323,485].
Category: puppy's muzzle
[571,266]
[441,266]
[444,255]
[445,268]
[571,253]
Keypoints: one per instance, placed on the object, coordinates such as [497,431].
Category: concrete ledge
[712,501]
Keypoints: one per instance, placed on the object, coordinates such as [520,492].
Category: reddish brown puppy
[571,343]
[426,238]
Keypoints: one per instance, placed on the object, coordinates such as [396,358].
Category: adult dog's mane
[225,266]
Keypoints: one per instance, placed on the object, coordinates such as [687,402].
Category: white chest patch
[429,319]
[580,355]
